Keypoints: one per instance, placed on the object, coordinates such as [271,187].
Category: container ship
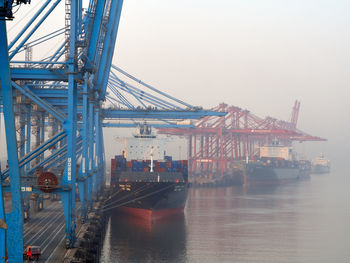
[276,164]
[150,187]
[320,165]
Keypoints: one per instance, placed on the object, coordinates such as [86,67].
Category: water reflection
[132,239]
[305,221]
[241,224]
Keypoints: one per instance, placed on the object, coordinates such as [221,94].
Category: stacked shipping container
[120,164]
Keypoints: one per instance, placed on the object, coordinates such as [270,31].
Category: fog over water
[305,221]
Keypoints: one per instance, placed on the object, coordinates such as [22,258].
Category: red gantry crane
[218,145]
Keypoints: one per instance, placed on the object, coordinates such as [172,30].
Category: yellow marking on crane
[3,225]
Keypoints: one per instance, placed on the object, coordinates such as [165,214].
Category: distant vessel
[276,164]
[320,165]
[146,185]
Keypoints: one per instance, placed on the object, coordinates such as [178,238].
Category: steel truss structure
[60,108]
[217,143]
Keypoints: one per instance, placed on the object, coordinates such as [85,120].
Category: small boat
[320,165]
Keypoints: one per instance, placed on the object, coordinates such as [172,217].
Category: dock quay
[45,228]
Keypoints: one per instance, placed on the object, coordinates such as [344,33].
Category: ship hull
[150,200]
[148,214]
[320,169]
[272,175]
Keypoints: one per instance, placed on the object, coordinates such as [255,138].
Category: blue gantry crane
[131,101]
[55,109]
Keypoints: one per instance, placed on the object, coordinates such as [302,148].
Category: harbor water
[306,221]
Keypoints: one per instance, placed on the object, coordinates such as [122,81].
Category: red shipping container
[113,164]
[168,164]
[128,164]
[184,162]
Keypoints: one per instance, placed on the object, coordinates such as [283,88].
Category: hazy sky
[259,55]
